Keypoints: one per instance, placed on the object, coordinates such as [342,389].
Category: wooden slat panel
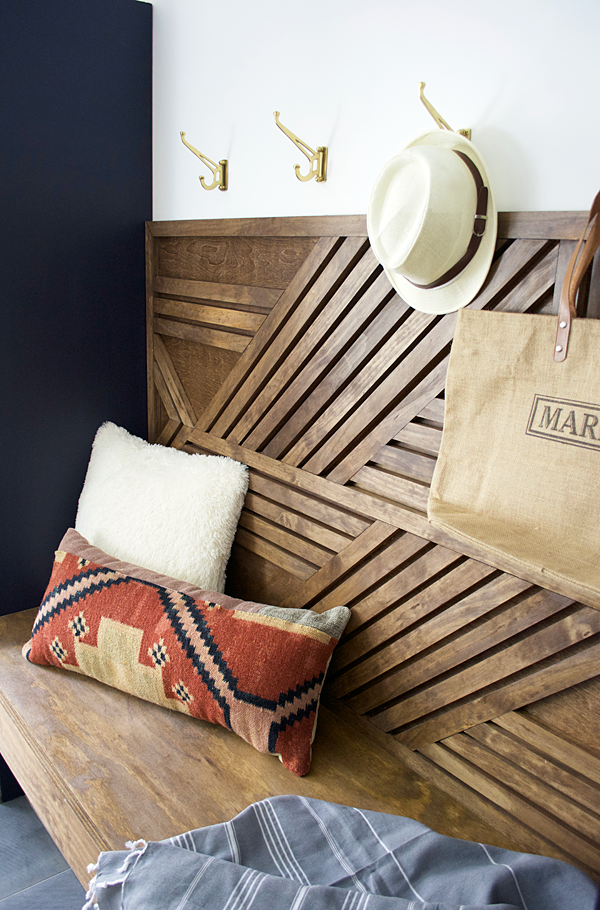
[420,437]
[337,407]
[403,664]
[276,512]
[397,460]
[546,742]
[274,554]
[571,669]
[230,341]
[412,403]
[310,359]
[379,327]
[367,543]
[368,382]
[581,807]
[399,489]
[425,564]
[238,420]
[449,588]
[299,285]
[286,538]
[330,514]
[495,666]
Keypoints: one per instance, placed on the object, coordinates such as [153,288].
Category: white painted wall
[523,74]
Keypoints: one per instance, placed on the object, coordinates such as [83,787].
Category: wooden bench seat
[101,767]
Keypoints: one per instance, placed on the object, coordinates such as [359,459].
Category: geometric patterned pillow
[258,674]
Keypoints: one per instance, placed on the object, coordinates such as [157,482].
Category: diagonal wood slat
[282,344]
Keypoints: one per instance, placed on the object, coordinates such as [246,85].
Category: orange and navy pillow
[257,674]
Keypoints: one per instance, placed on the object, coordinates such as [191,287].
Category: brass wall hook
[317,159]
[438,117]
[220,171]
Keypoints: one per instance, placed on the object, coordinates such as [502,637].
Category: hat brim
[465,287]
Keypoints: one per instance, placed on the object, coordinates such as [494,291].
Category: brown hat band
[479,226]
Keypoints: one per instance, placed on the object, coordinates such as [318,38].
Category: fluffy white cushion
[161,508]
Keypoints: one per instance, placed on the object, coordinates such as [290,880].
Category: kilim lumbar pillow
[259,674]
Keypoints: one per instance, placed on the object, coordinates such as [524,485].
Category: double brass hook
[317,159]
[438,117]
[220,171]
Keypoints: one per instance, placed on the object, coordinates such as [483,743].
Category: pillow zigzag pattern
[258,675]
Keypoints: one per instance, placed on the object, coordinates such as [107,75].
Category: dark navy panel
[75,190]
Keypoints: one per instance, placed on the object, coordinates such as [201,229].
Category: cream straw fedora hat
[432,222]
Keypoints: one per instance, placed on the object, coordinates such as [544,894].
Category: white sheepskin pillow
[161,508]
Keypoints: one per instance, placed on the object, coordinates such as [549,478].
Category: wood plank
[230,341]
[356,404]
[553,225]
[290,226]
[420,438]
[273,368]
[548,743]
[383,483]
[165,395]
[298,524]
[571,669]
[515,262]
[434,411]
[390,423]
[176,390]
[533,286]
[209,316]
[331,515]
[399,461]
[282,558]
[545,225]
[350,590]
[269,262]
[405,578]
[150,271]
[167,434]
[262,298]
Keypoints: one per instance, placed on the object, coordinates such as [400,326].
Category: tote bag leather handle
[574,274]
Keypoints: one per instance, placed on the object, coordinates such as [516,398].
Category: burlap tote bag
[519,467]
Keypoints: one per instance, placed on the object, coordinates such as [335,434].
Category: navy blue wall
[75,190]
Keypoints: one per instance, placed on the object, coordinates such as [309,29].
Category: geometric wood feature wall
[280,343]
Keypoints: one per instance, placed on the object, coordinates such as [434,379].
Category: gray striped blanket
[293,853]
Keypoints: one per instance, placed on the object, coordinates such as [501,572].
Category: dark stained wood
[263,262]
